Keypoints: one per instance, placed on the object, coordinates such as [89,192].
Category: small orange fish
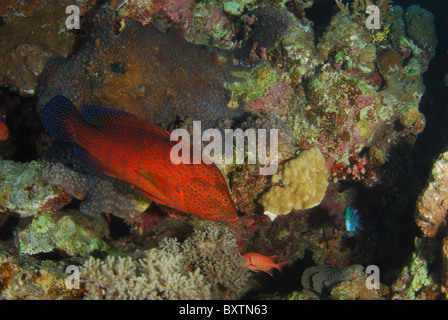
[4,132]
[123,146]
[258,262]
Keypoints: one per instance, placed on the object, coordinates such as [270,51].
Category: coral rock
[24,192]
[420,27]
[389,63]
[157,76]
[323,277]
[99,192]
[445,264]
[70,233]
[356,289]
[29,37]
[432,204]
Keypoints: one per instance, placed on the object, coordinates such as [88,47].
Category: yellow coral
[305,180]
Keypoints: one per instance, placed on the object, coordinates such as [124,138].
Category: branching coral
[207,265]
[160,275]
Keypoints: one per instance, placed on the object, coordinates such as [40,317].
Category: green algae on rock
[25,193]
[70,233]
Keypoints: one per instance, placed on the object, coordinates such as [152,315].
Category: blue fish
[352,219]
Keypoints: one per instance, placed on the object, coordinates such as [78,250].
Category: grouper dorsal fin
[108,118]
[103,117]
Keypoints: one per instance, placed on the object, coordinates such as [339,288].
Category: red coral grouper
[123,146]
[4,132]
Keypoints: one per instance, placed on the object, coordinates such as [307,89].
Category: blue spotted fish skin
[123,146]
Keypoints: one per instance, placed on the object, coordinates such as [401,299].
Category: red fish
[258,262]
[4,132]
[123,146]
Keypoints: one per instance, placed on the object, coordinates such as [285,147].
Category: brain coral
[304,180]
[152,74]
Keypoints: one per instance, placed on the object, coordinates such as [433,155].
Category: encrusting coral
[99,192]
[304,181]
[23,192]
[158,77]
[206,265]
[33,33]
[70,233]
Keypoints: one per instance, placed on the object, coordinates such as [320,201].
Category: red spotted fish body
[4,132]
[123,146]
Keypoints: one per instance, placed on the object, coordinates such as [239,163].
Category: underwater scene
[223,150]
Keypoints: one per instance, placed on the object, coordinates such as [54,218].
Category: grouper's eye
[225,201]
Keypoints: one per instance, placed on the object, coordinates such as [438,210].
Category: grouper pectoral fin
[165,193]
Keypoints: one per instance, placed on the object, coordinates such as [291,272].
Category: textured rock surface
[70,233]
[157,76]
[25,193]
[432,204]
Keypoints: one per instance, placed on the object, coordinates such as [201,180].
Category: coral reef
[323,277]
[69,232]
[99,192]
[23,192]
[432,204]
[29,39]
[415,280]
[356,289]
[206,265]
[431,213]
[25,278]
[345,110]
[204,23]
[303,182]
[348,98]
[158,77]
